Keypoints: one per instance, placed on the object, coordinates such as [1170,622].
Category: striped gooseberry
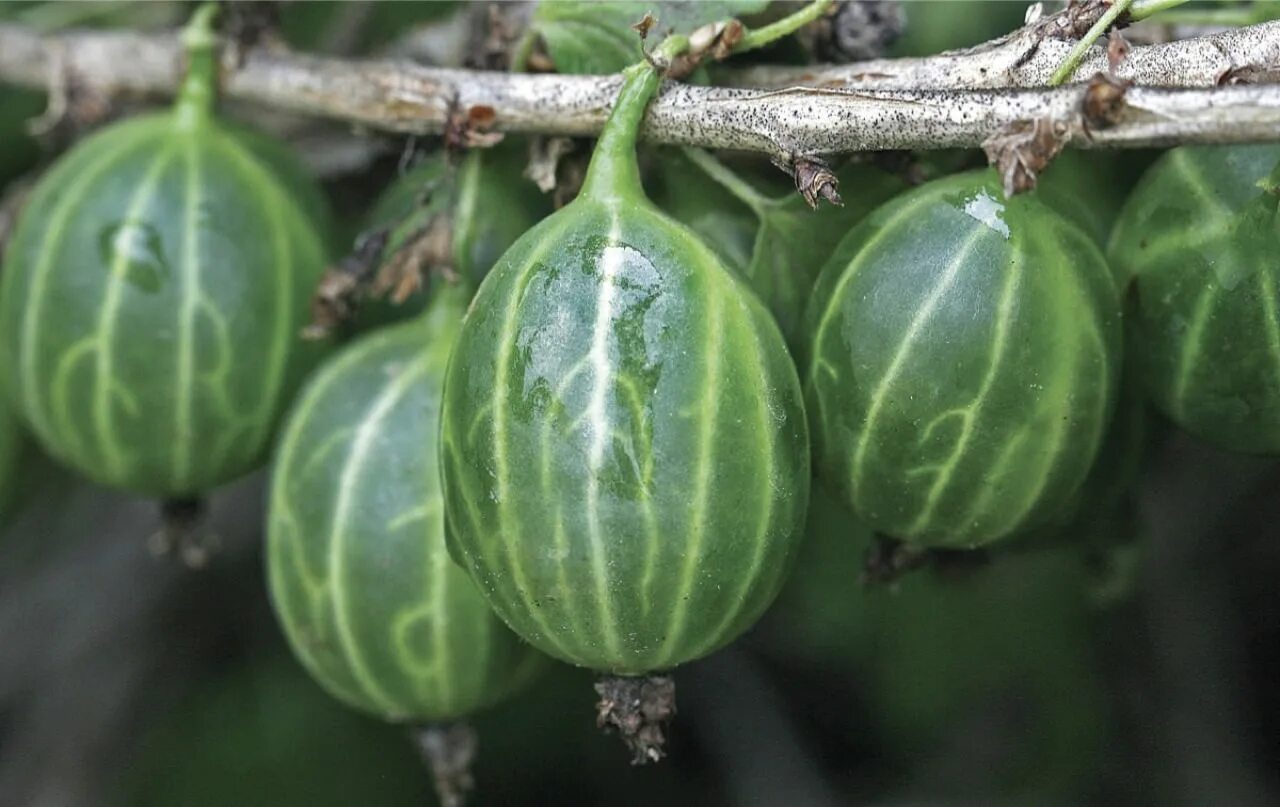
[963,363]
[625,454]
[153,293]
[1197,242]
[359,574]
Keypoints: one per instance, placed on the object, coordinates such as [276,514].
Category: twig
[403,97]
[1026,59]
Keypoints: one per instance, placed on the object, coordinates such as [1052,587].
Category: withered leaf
[644,26]
[1023,149]
[405,271]
[338,293]
[728,39]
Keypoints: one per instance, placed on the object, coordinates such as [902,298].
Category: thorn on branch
[814,180]
[1022,150]
[410,156]
[1103,101]
[1117,50]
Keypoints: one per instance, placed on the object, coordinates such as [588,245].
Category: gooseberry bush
[870,447]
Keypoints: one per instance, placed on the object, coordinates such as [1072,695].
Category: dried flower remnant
[638,709]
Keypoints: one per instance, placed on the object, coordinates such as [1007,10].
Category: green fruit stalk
[963,366]
[153,293]
[1198,241]
[625,448]
[359,573]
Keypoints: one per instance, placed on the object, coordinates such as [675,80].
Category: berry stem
[198,92]
[728,180]
[614,172]
[784,27]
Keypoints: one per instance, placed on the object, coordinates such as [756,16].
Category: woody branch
[922,103]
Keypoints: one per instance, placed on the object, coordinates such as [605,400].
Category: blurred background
[1128,658]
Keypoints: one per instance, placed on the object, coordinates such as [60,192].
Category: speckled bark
[403,97]
[1023,59]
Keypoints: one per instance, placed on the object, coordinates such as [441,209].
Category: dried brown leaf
[1022,150]
[644,26]
[703,38]
[338,293]
[728,39]
[715,39]
[428,249]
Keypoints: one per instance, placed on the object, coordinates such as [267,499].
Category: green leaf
[593,38]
